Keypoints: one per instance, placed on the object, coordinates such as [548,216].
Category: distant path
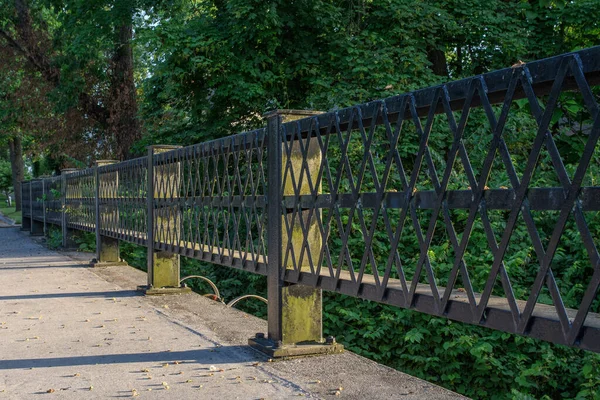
[5,221]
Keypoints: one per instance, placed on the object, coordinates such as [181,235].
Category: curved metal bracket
[205,279]
[237,299]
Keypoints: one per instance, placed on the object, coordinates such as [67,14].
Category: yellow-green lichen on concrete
[166,270]
[301,314]
[313,240]
[294,163]
[109,215]
[167,177]
[109,249]
[168,221]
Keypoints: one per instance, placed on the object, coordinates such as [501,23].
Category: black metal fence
[475,200]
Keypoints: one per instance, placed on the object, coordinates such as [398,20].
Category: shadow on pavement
[116,293]
[220,355]
[16,267]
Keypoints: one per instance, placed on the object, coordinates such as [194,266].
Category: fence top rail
[54,178]
[540,74]
[237,142]
[82,173]
[134,162]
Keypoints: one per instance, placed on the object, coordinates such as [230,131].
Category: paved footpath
[70,332]
[5,222]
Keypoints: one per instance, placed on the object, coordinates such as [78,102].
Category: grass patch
[9,211]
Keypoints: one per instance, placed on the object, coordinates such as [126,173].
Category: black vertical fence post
[150,217]
[274,212]
[67,240]
[63,207]
[31,206]
[294,310]
[97,210]
[37,225]
[25,205]
[44,205]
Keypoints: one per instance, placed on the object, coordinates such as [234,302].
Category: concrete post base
[94,263]
[155,291]
[303,349]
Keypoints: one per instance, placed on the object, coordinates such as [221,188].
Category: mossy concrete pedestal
[107,248]
[108,254]
[163,226]
[302,327]
[165,275]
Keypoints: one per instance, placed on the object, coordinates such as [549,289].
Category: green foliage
[86,242]
[134,255]
[9,211]
[217,67]
[54,237]
[5,176]
[228,62]
[45,165]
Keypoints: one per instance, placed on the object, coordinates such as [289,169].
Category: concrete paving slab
[71,332]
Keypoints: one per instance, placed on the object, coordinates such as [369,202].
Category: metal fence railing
[475,200]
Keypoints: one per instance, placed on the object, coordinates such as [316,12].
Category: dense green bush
[54,237]
[86,241]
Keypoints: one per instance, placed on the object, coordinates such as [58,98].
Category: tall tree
[219,66]
[27,121]
[83,50]
[11,113]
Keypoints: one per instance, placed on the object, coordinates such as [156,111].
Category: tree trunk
[18,168]
[459,61]
[437,58]
[123,122]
